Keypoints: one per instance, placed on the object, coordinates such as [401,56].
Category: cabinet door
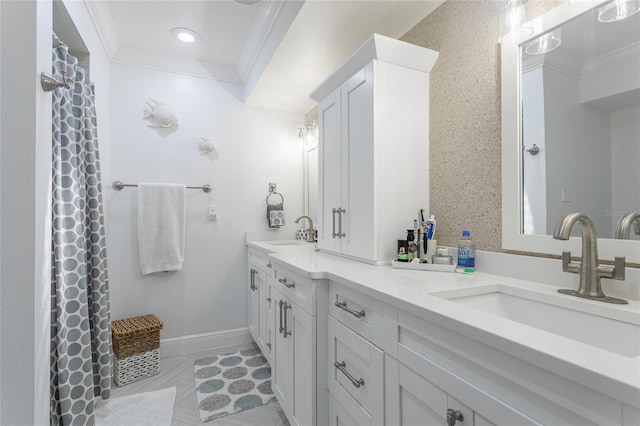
[281,367]
[420,401]
[260,282]
[266,316]
[347,412]
[330,171]
[254,303]
[302,335]
[358,180]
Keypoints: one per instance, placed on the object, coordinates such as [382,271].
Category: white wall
[578,146]
[25,185]
[625,158]
[25,154]
[255,147]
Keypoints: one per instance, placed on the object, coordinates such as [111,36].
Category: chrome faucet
[312,235]
[623,229]
[588,268]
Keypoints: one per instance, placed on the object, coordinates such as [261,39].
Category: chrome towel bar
[118,185]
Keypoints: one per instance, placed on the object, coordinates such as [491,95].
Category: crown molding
[615,58]
[272,23]
[103,22]
[162,62]
[258,36]
[275,19]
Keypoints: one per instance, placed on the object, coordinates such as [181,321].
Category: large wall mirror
[571,126]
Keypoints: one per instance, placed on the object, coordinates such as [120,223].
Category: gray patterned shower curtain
[80,312]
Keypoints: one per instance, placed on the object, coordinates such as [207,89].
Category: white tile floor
[178,371]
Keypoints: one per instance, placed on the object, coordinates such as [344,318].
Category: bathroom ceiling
[279,51]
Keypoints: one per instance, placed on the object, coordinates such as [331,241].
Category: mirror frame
[512,191]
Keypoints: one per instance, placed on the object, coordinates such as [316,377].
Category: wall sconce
[511,18]
[309,133]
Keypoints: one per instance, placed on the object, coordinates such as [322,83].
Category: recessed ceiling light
[247,1]
[185,35]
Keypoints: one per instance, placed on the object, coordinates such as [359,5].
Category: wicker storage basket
[132,336]
[136,367]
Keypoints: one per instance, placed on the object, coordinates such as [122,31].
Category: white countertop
[607,372]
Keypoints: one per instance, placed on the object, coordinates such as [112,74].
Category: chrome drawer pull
[288,285]
[343,305]
[333,217]
[286,333]
[281,328]
[252,286]
[340,233]
[342,367]
[269,265]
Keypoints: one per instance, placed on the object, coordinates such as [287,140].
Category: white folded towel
[161,226]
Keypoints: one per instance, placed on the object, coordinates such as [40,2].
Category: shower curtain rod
[118,185]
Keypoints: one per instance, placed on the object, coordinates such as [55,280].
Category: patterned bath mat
[230,383]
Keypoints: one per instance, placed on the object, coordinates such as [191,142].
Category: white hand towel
[161,226]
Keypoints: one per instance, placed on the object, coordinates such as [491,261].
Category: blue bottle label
[463,256]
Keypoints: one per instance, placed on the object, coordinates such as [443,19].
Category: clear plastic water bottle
[466,253]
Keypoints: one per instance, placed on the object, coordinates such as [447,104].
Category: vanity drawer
[372,319]
[259,258]
[351,308]
[300,290]
[356,368]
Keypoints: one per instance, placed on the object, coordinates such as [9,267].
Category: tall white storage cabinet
[373,121]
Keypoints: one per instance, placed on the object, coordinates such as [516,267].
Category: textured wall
[465,117]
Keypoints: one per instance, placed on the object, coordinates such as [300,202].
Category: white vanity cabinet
[260,301]
[386,365]
[435,362]
[295,382]
[356,359]
[373,148]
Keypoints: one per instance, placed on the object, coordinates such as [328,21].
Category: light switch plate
[212,215]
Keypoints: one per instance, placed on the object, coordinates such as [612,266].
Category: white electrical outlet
[566,197]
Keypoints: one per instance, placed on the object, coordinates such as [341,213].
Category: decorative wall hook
[534,150]
[50,83]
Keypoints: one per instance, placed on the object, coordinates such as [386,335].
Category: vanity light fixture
[309,133]
[185,35]
[618,10]
[512,18]
[544,44]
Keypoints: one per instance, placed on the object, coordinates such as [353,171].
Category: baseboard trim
[199,342]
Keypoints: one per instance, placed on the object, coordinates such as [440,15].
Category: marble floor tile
[178,371]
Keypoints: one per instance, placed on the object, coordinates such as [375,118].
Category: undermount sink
[606,327]
[286,243]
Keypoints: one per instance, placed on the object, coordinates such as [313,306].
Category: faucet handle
[615,272]
[568,265]
[618,268]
